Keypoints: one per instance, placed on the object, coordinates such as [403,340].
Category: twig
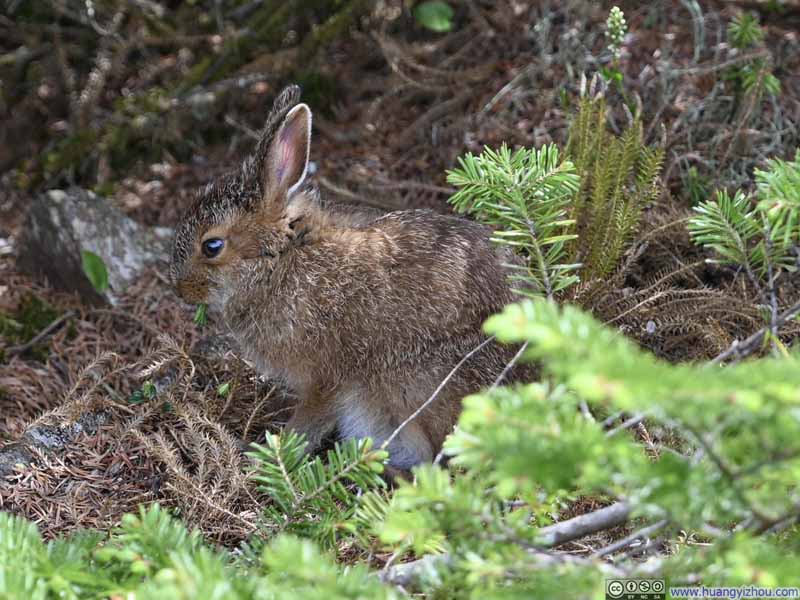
[345,193]
[245,10]
[249,132]
[509,366]
[409,185]
[204,498]
[113,312]
[22,348]
[526,72]
[395,555]
[256,409]
[436,392]
[438,459]
[781,523]
[719,66]
[776,458]
[743,119]
[586,411]
[476,12]
[771,277]
[728,473]
[697,23]
[409,573]
[611,419]
[437,111]
[748,346]
[628,540]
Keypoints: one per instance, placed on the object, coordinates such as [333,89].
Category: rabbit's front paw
[313,419]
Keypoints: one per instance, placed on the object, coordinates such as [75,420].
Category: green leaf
[224,389]
[611,74]
[200,317]
[146,392]
[434,15]
[136,397]
[149,390]
[95,270]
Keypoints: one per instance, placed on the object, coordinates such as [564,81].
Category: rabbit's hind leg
[359,416]
[410,447]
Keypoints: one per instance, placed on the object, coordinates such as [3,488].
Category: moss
[268,26]
[31,317]
[69,153]
[139,129]
[72,331]
[106,189]
[4,435]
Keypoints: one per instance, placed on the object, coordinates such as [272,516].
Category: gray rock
[13,456]
[62,223]
[47,437]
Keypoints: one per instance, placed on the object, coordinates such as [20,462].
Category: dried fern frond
[204,474]
[681,324]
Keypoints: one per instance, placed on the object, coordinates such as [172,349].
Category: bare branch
[22,348]
[743,349]
[630,539]
[605,518]
[632,422]
[509,366]
[436,392]
[583,525]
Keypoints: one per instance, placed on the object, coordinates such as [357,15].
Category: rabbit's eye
[212,247]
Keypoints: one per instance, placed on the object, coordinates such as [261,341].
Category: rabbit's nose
[193,292]
[188,292]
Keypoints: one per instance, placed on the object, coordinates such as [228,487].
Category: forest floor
[394,106]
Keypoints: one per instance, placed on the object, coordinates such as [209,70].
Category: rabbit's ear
[286,160]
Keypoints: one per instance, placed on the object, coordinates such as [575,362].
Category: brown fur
[362,315]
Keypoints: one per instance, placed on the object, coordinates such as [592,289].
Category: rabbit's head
[247,218]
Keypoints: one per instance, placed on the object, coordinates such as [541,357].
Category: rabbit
[362,314]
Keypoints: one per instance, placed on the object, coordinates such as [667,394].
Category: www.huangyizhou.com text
[734,593]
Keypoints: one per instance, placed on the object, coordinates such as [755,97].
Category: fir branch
[525,195]
[728,226]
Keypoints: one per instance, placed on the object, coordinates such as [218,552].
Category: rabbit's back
[443,270]
[368,297]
